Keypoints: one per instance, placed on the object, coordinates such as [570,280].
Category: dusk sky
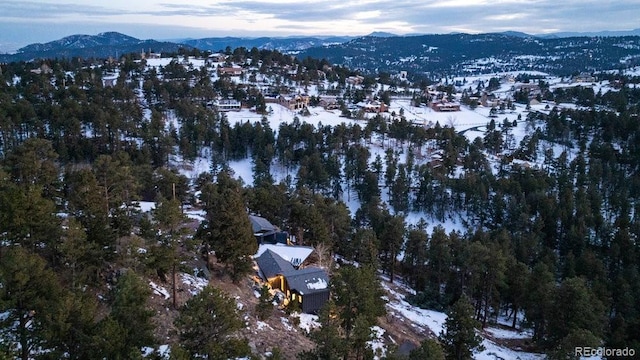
[25,22]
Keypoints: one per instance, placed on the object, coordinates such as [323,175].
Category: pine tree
[391,234]
[264,308]
[75,330]
[77,254]
[128,327]
[459,338]
[29,298]
[169,216]
[539,300]
[207,325]
[415,259]
[357,293]
[439,259]
[329,343]
[229,230]
[515,284]
[576,315]
[430,349]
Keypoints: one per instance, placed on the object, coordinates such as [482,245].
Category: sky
[23,22]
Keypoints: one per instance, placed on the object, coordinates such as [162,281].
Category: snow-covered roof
[297,253]
[308,281]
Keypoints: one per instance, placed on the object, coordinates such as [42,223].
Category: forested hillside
[486,53]
[548,226]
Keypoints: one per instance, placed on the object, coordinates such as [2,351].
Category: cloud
[339,17]
[37,10]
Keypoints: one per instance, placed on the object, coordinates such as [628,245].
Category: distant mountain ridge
[439,55]
[634,32]
[82,41]
[271,43]
[380,51]
[102,45]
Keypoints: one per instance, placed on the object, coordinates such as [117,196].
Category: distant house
[43,69]
[231,71]
[445,106]
[217,57]
[228,105]
[329,102]
[109,81]
[490,100]
[531,88]
[308,286]
[373,106]
[296,102]
[267,233]
[584,78]
[355,80]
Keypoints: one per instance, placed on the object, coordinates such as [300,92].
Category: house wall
[278,282]
[312,303]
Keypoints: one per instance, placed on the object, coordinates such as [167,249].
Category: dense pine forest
[550,239]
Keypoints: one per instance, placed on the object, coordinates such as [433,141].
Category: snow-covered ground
[493,351]
[308,322]
[193,283]
[500,333]
[398,307]
[159,290]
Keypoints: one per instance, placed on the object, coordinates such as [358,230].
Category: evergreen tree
[229,231]
[516,281]
[576,315]
[128,327]
[264,308]
[77,255]
[364,247]
[391,235]
[459,338]
[357,293]
[169,216]
[415,258]
[207,326]
[30,298]
[329,343]
[539,300]
[76,330]
[430,349]
[439,259]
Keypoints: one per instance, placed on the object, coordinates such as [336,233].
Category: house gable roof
[292,254]
[308,281]
[271,265]
[304,281]
[261,225]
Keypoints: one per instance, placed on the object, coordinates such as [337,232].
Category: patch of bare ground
[263,336]
[273,332]
[399,329]
[517,344]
